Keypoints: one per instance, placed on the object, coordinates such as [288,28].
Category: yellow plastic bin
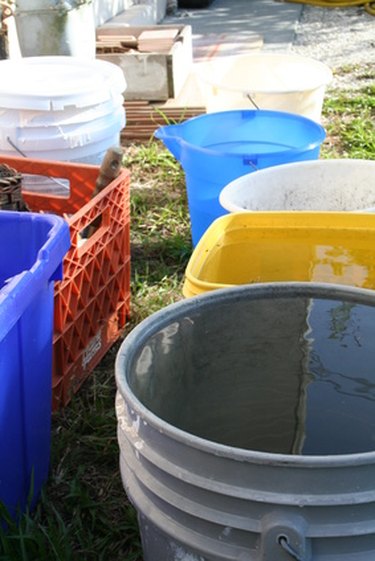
[245,248]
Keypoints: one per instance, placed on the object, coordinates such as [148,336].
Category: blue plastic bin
[31,253]
[216,148]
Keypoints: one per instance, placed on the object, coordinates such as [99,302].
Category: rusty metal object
[6,10]
[11,189]
[109,170]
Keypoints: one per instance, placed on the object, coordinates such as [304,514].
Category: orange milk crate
[92,302]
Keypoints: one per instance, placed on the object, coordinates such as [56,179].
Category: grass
[349,118]
[83,513]
[161,243]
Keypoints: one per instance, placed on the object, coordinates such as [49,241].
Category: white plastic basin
[316,185]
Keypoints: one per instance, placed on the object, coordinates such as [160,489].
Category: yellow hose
[369,6]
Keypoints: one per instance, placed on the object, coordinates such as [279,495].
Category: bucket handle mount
[284,538]
[252,100]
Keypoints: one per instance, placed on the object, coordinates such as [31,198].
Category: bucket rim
[156,321]
[313,125]
[240,182]
[326,77]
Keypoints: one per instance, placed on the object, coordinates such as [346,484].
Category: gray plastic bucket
[246,425]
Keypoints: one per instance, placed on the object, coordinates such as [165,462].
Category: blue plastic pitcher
[216,148]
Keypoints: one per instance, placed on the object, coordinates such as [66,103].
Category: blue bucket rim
[320,132]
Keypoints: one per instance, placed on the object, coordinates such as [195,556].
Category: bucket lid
[54,82]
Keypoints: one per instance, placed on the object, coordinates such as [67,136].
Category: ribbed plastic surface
[218,399]
[31,253]
[92,303]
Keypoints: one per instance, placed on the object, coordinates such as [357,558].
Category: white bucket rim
[204,76]
[227,192]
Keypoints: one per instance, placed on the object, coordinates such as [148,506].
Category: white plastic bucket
[282,82]
[316,185]
[72,110]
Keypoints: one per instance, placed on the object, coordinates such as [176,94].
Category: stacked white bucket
[60,108]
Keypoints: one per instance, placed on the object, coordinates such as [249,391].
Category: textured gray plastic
[186,386]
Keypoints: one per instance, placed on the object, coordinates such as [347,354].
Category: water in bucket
[290,376]
[216,148]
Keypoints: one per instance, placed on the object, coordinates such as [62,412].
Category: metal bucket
[246,423]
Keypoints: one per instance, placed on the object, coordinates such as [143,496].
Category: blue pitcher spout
[171,136]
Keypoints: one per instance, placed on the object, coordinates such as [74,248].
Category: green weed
[349,118]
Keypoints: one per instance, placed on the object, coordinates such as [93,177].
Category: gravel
[339,37]
[342,38]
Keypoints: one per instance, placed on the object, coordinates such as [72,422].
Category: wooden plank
[143,118]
